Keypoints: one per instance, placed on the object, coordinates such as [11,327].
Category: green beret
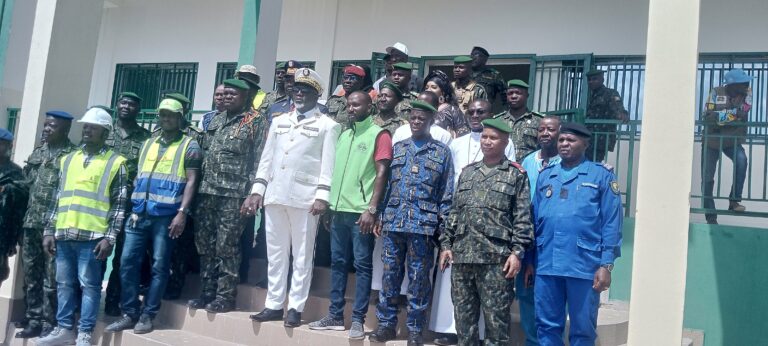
[595,73]
[236,83]
[517,83]
[131,95]
[462,59]
[403,66]
[497,123]
[391,86]
[280,66]
[423,105]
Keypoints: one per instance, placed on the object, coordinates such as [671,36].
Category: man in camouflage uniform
[279,94]
[401,76]
[42,176]
[416,205]
[386,117]
[352,81]
[523,122]
[126,140]
[604,104]
[234,142]
[485,238]
[465,89]
[184,253]
[286,105]
[13,200]
[489,78]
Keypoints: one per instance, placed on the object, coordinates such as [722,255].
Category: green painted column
[249,32]
[6,13]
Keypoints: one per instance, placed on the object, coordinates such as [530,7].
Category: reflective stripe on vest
[84,191]
[160,181]
[259,99]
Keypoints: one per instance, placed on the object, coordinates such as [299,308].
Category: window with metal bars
[150,81]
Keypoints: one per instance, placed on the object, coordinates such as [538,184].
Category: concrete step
[169,337]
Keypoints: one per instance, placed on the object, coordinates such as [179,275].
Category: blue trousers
[552,295]
[527,313]
[414,253]
[76,265]
[343,231]
[147,231]
[709,169]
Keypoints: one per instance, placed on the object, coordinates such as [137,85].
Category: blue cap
[737,75]
[6,135]
[60,114]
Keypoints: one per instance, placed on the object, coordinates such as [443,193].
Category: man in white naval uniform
[464,150]
[293,184]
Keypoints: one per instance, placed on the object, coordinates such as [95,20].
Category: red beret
[355,70]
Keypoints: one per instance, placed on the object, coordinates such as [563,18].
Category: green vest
[354,170]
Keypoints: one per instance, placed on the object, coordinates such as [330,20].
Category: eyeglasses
[476,111]
[351,77]
[302,89]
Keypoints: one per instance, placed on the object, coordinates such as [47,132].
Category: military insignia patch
[615,187]
[549,191]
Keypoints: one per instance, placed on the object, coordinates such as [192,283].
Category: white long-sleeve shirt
[466,150]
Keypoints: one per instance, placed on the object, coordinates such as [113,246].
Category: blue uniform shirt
[577,220]
[420,187]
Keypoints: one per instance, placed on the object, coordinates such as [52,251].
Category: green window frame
[151,80]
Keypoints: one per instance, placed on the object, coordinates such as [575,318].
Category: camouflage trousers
[218,227]
[413,253]
[481,285]
[39,279]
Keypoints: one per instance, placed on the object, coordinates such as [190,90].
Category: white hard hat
[97,116]
[398,46]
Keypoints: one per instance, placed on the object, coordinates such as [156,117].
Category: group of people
[503,204]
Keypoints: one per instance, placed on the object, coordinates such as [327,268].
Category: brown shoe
[735,206]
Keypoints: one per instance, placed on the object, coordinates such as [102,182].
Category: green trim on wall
[249,31]
[725,282]
[6,13]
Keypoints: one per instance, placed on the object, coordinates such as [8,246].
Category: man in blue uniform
[577,213]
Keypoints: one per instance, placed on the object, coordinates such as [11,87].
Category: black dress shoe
[112,310]
[292,319]
[415,339]
[199,303]
[220,306]
[30,331]
[447,340]
[268,315]
[383,334]
[21,324]
[47,329]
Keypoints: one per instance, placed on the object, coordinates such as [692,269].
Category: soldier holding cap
[465,89]
[13,200]
[488,77]
[416,205]
[523,122]
[293,185]
[126,139]
[235,139]
[485,238]
[89,212]
[41,173]
[574,255]
[604,104]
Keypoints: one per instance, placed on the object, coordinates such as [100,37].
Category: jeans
[344,230]
[146,230]
[709,168]
[76,265]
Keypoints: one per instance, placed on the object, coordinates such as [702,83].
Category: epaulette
[518,166]
[500,114]
[605,165]
[540,115]
[194,129]
[414,94]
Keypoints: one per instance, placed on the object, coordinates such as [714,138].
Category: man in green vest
[165,186]
[85,220]
[360,173]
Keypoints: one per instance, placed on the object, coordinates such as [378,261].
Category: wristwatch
[185,211]
[373,210]
[519,254]
[608,266]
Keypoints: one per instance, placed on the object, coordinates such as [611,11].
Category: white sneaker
[83,339]
[58,337]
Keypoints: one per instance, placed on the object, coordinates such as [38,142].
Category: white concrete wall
[151,31]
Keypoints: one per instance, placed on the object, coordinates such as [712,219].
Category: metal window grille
[149,81]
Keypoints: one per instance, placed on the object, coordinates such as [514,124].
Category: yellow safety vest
[84,191]
[259,99]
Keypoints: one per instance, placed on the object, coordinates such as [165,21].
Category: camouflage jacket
[13,199]
[493,83]
[233,146]
[128,144]
[390,124]
[41,174]
[403,108]
[604,104]
[525,130]
[724,119]
[491,214]
[337,110]
[271,98]
[465,95]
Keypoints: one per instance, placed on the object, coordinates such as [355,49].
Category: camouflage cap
[497,123]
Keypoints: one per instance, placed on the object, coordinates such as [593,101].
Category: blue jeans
[76,265]
[343,231]
[147,230]
[709,168]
